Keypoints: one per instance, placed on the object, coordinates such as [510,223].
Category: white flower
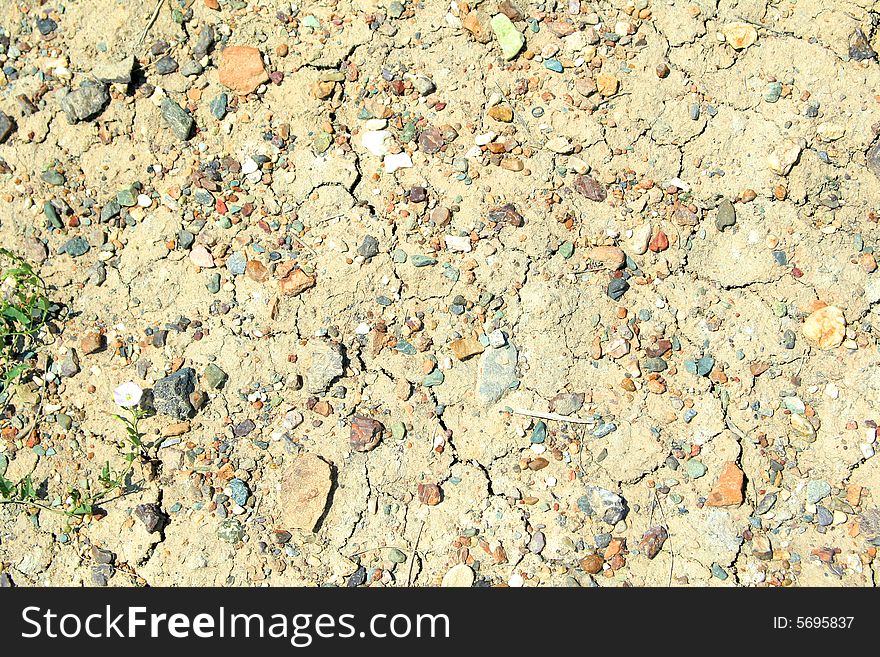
[128,395]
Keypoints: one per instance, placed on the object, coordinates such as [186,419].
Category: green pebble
[408,133]
[230,531]
[52,215]
[773,93]
[52,177]
[399,256]
[509,38]
[719,572]
[566,250]
[539,433]
[214,376]
[322,142]
[64,421]
[435,378]
[422,261]
[396,556]
[398,431]
[695,469]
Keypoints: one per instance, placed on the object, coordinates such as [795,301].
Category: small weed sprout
[24,311]
[80,502]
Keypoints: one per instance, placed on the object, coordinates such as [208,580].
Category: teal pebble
[539,433]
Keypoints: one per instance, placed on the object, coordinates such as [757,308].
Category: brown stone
[538,464]
[590,188]
[560,28]
[322,408]
[728,490]
[365,433]
[477,23]
[464,348]
[241,69]
[92,343]
[501,113]
[256,271]
[430,494]
[606,85]
[510,10]
[592,563]
[323,89]
[296,282]
[585,86]
[305,485]
[610,256]
[653,540]
[176,429]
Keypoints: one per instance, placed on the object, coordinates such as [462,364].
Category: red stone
[659,243]
[365,433]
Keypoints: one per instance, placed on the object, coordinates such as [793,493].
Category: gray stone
[326,365]
[608,506]
[817,490]
[369,248]
[496,372]
[185,239]
[180,122]
[726,216]
[86,102]
[536,545]
[101,574]
[152,517]
[236,264]
[75,247]
[115,72]
[191,69]
[873,158]
[567,403]
[102,556]
[171,394]
[423,85]
[7,125]
[766,504]
[166,65]
[205,43]
[69,365]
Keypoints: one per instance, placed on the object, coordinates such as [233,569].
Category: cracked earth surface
[560,318]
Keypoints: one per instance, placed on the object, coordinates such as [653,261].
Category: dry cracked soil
[518,293]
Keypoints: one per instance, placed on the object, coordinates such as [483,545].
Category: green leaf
[28,492]
[6,487]
[16,314]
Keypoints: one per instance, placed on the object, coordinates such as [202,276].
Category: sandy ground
[388,245]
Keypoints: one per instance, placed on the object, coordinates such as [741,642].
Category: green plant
[82,501]
[24,311]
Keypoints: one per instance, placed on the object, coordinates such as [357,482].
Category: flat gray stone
[325,366]
[86,102]
[496,372]
[171,394]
